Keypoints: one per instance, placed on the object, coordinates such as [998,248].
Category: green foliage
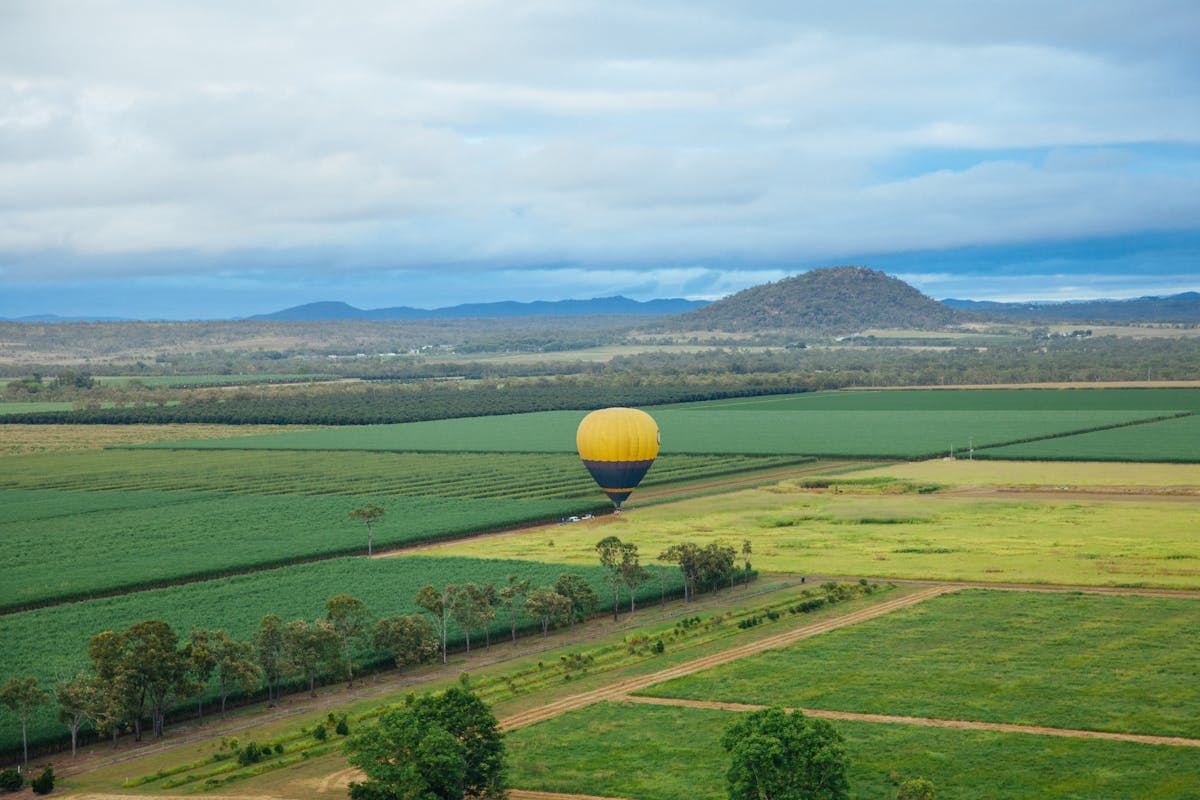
[786,756]
[44,782]
[445,746]
[916,789]
[49,638]
[11,779]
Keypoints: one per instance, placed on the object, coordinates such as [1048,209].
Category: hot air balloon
[617,445]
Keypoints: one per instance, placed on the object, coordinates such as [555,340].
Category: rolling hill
[830,301]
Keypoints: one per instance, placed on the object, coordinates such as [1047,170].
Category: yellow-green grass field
[1089,540]
[1039,474]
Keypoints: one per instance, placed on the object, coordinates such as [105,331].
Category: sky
[196,160]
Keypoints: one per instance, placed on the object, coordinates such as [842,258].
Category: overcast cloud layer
[200,159]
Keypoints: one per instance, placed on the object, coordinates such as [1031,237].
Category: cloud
[474,136]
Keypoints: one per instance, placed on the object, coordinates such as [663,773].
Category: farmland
[221,524]
[620,749]
[1033,659]
[49,642]
[865,529]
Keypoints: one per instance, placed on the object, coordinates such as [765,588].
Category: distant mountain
[1172,308]
[538,308]
[831,301]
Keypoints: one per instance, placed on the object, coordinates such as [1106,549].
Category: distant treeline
[414,390]
[391,404]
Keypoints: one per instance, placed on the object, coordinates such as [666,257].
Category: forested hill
[831,301]
[1184,308]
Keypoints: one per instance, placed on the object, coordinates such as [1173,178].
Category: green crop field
[834,433]
[105,541]
[1086,662]
[661,753]
[1169,440]
[49,642]
[258,472]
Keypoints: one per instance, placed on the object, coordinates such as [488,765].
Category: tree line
[136,677]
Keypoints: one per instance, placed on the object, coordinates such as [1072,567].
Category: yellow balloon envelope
[617,445]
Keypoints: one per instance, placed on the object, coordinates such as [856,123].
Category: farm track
[888,719]
[621,688]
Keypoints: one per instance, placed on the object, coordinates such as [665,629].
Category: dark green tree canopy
[439,747]
[778,755]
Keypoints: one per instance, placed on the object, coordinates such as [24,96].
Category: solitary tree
[784,756]
[439,747]
[369,514]
[349,618]
[21,696]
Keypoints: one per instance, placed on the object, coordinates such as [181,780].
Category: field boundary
[929,722]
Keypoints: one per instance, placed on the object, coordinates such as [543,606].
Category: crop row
[1171,440]
[178,536]
[480,475]
[49,642]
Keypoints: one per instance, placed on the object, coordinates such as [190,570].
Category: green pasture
[862,529]
[1169,440]
[662,753]
[75,544]
[1078,661]
[49,642]
[835,433]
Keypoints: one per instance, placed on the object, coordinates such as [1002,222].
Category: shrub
[342,728]
[320,733]
[44,783]
[10,779]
